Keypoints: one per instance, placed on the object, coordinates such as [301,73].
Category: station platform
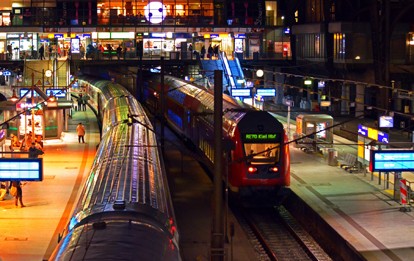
[31,232]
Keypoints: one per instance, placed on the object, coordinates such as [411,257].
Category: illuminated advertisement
[386,122]
[75,45]
[58,93]
[26,124]
[392,160]
[21,169]
[238,45]
[320,130]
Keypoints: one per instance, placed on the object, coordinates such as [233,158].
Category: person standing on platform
[80,130]
[35,151]
[17,192]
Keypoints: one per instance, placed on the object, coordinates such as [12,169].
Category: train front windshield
[262,153]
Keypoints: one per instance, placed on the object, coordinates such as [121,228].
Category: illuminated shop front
[133,12]
[114,39]
[22,44]
[162,44]
[44,119]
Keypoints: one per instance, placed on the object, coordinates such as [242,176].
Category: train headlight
[274,169]
[252,169]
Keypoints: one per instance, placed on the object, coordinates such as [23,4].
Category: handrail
[223,58]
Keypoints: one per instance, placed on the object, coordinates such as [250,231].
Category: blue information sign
[266,92]
[392,160]
[373,134]
[241,92]
[21,169]
[362,130]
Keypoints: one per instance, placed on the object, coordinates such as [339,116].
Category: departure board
[21,169]
[392,160]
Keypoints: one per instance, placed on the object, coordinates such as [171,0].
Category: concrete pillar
[345,100]
[359,100]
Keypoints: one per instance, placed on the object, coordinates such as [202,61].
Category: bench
[307,145]
[349,163]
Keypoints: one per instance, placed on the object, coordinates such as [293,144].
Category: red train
[259,162]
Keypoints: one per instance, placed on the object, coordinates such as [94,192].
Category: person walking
[42,52]
[84,102]
[79,103]
[210,52]
[80,130]
[82,51]
[17,192]
[203,52]
[9,52]
[35,151]
[119,51]
[109,48]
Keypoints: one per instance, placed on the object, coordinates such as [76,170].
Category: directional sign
[383,137]
[362,130]
[266,92]
[373,134]
[241,92]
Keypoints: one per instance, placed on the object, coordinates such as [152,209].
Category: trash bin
[332,157]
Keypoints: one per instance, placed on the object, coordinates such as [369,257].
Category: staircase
[231,71]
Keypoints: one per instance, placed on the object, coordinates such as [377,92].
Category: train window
[262,152]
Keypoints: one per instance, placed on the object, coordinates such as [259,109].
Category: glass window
[262,152]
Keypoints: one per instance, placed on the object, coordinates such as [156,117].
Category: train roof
[234,109]
[315,117]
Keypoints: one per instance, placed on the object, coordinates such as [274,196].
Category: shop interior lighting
[308,82]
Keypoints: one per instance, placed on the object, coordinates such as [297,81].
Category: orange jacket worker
[80,130]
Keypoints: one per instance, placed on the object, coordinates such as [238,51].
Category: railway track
[277,236]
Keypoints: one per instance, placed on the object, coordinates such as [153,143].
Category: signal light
[251,169]
[274,169]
